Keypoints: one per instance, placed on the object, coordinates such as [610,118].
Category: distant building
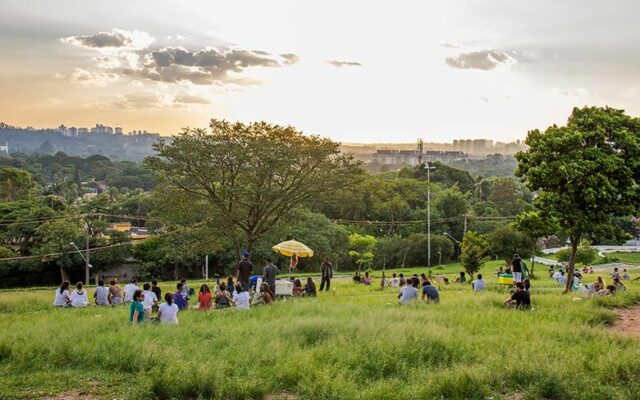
[83,131]
[391,157]
[120,226]
[444,156]
[4,149]
[118,130]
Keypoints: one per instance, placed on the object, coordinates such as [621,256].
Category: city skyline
[356,72]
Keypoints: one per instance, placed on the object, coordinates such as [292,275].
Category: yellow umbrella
[291,248]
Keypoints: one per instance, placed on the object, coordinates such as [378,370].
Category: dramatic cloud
[117,38]
[339,64]
[100,79]
[204,67]
[483,60]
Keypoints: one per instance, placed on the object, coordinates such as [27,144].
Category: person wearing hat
[244,271]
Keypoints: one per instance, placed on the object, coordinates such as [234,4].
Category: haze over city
[356,72]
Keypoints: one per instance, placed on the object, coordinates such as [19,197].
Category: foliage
[254,174]
[451,204]
[585,173]
[506,241]
[15,184]
[505,196]
[442,174]
[473,252]
[585,254]
[362,248]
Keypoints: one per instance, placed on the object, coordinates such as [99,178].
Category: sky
[355,71]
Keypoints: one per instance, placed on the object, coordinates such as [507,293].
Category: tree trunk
[63,274]
[533,261]
[571,265]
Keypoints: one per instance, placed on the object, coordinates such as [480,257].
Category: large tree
[253,174]
[585,173]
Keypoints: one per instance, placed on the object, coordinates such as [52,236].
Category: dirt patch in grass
[628,321]
[281,396]
[72,395]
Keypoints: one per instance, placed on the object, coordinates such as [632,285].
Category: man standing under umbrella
[327,273]
[245,269]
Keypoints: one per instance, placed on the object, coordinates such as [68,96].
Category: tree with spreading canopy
[474,252]
[253,174]
[585,173]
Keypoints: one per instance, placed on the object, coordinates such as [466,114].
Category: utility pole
[86,260]
[428,168]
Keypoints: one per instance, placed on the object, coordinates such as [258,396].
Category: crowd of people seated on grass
[409,290]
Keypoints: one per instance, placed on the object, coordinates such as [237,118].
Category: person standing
[244,271]
[269,276]
[327,273]
[516,267]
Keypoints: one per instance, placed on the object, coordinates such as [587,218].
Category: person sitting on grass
[101,295]
[366,279]
[156,289]
[395,282]
[608,291]
[263,295]
[357,278]
[115,293]
[615,274]
[423,278]
[298,290]
[625,275]
[79,296]
[520,299]
[230,286]
[180,298]
[310,288]
[479,284]
[462,278]
[430,293]
[204,297]
[129,290]
[408,294]
[223,298]
[150,299]
[527,284]
[619,285]
[241,297]
[136,309]
[591,270]
[168,311]
[63,297]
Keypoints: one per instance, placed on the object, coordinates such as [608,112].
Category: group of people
[597,288]
[408,289]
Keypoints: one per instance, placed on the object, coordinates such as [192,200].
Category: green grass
[353,343]
[633,258]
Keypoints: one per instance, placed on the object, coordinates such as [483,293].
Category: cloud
[206,66]
[144,99]
[450,45]
[190,99]
[100,79]
[339,64]
[290,58]
[577,92]
[483,60]
[117,38]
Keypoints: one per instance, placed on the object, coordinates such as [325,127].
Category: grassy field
[353,343]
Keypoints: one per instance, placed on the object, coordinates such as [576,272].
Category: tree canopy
[252,174]
[585,173]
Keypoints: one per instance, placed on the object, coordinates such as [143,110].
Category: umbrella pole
[290,267]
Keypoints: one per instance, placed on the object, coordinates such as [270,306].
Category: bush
[585,254]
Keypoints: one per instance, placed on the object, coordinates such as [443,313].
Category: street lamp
[455,240]
[428,168]
[86,262]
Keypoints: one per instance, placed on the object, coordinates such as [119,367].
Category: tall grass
[356,343]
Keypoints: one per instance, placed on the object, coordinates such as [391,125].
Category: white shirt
[168,313]
[478,285]
[149,299]
[409,293]
[102,295]
[62,299]
[557,275]
[79,298]
[395,282]
[129,290]
[241,300]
